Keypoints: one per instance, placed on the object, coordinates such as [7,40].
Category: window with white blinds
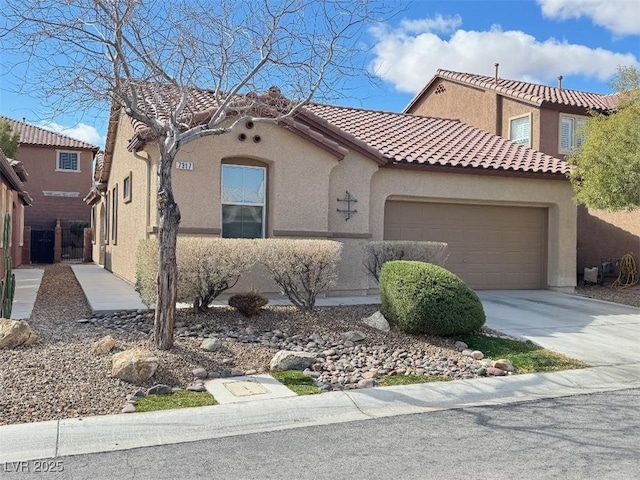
[571,135]
[520,130]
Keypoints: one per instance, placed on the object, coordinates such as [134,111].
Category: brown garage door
[490,247]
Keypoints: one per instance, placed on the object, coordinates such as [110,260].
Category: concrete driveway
[596,332]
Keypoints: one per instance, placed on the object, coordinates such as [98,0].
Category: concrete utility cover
[249,388]
[245,389]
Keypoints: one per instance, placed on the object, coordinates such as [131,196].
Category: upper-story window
[243,201]
[520,130]
[571,135]
[68,161]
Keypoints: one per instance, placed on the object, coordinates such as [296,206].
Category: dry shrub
[301,268]
[376,254]
[207,267]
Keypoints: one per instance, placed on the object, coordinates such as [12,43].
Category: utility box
[591,275]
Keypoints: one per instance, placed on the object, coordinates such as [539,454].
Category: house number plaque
[184,165]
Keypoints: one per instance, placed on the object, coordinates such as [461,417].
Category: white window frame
[575,139]
[263,204]
[59,169]
[529,139]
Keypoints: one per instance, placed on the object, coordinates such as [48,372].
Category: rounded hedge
[420,297]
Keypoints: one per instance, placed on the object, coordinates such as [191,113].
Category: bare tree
[150,58]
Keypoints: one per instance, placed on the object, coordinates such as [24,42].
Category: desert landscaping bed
[59,376]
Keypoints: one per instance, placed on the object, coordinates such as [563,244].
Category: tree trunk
[169,222]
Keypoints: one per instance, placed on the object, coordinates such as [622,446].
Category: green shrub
[376,254]
[301,268]
[420,297]
[248,304]
[207,267]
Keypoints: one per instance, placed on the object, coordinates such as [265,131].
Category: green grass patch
[526,357]
[390,380]
[183,399]
[298,382]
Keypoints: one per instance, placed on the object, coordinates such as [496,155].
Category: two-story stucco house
[545,118]
[60,169]
[351,175]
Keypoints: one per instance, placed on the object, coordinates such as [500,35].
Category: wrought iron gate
[72,244]
[42,243]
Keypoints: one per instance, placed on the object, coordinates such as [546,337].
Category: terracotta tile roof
[418,140]
[534,93]
[32,135]
[385,137]
[14,179]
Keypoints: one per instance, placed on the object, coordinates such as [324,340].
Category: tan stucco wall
[455,103]
[512,109]
[555,195]
[131,217]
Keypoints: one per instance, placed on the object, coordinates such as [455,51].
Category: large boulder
[14,333]
[134,366]
[289,360]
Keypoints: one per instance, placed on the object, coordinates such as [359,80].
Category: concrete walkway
[27,284]
[605,334]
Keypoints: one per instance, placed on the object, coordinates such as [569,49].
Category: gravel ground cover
[628,296]
[59,377]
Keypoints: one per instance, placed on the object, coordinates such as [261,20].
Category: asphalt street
[580,437]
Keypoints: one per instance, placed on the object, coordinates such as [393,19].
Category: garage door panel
[490,247]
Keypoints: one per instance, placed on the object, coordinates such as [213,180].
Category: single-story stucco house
[351,175]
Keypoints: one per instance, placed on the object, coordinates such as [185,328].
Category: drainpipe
[147,209]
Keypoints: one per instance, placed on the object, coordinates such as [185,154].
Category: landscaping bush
[423,298]
[301,268]
[248,304]
[376,254]
[207,267]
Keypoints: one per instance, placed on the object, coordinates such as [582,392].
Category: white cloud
[408,60]
[81,131]
[621,17]
[436,24]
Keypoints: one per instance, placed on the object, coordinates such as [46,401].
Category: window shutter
[566,134]
[520,130]
[579,132]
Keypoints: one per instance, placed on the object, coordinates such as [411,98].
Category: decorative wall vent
[440,89]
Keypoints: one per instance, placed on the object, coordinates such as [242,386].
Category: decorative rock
[197,388]
[200,373]
[104,345]
[477,354]
[481,372]
[369,374]
[461,345]
[159,389]
[14,333]
[377,321]
[237,372]
[367,383]
[129,408]
[82,320]
[496,372]
[466,352]
[214,375]
[211,344]
[353,336]
[139,394]
[504,364]
[250,372]
[134,366]
[289,360]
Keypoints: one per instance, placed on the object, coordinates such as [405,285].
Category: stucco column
[87,246]
[57,244]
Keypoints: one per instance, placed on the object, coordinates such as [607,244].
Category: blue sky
[533,40]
